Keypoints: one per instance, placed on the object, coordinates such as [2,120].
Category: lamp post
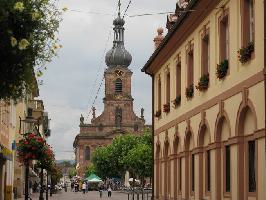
[28,120]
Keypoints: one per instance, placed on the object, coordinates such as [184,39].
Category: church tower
[118,116]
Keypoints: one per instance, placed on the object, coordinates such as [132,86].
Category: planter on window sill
[203,83]
[190,91]
[177,101]
[158,113]
[166,107]
[221,69]
[244,54]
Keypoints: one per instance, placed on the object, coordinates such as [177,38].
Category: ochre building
[208,77]
[118,116]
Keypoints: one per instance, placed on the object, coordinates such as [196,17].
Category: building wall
[229,113]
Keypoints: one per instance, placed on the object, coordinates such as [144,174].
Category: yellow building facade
[209,103]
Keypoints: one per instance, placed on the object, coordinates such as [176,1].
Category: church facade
[118,116]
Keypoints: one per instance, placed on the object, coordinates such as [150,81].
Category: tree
[28,41]
[90,170]
[72,172]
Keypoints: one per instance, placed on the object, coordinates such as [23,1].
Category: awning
[94,178]
[5,153]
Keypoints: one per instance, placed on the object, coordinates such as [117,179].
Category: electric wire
[127,8]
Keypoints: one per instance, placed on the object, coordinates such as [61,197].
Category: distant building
[118,116]
[208,77]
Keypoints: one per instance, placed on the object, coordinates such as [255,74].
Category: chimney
[158,38]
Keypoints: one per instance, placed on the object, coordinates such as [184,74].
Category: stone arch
[203,127]
[187,140]
[222,117]
[246,108]
[246,124]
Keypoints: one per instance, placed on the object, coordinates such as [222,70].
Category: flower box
[177,101]
[158,113]
[166,107]
[203,83]
[244,54]
[190,91]
[221,69]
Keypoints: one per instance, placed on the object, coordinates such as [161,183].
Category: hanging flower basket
[30,147]
[244,54]
[166,108]
[190,91]
[203,83]
[47,160]
[158,113]
[221,69]
[177,101]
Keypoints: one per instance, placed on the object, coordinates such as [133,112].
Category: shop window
[208,171]
[193,173]
[227,169]
[251,167]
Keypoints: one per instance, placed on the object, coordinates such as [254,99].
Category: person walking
[84,187]
[109,190]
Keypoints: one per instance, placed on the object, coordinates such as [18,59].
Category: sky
[72,79]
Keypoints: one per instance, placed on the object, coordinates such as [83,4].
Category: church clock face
[119,72]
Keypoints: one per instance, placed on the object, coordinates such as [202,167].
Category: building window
[208,171]
[224,38]
[180,174]
[168,87]
[193,173]
[87,153]
[190,65]
[251,166]
[227,169]
[205,54]
[178,79]
[248,22]
[159,94]
[118,85]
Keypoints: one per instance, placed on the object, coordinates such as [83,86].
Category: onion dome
[118,55]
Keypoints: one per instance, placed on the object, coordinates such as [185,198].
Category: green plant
[221,69]
[190,91]
[177,101]
[28,41]
[203,83]
[244,54]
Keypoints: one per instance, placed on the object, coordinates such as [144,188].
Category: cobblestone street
[92,195]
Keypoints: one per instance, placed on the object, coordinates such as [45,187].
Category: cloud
[69,87]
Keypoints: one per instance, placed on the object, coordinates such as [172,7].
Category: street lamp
[28,120]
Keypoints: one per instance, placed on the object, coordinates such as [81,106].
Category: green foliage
[28,41]
[244,54]
[72,172]
[90,170]
[221,69]
[114,160]
[190,91]
[203,83]
[139,160]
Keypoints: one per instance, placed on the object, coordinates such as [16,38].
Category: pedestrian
[101,193]
[87,187]
[109,190]
[72,186]
[84,187]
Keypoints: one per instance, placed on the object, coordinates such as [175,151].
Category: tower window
[87,153]
[118,85]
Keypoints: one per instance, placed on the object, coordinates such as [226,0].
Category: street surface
[91,195]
